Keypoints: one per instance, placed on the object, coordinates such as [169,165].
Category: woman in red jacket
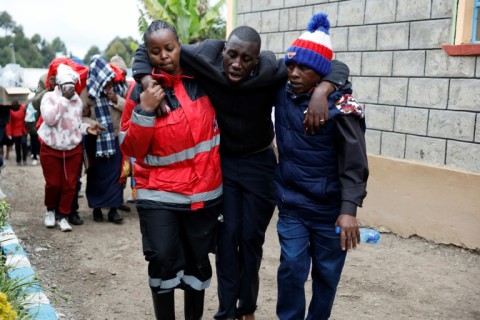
[177,176]
[18,132]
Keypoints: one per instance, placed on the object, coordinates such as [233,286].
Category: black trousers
[176,245]
[249,202]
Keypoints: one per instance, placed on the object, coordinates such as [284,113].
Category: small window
[465,39]
[475,24]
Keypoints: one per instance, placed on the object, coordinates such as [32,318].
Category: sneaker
[49,219]
[34,162]
[24,163]
[64,226]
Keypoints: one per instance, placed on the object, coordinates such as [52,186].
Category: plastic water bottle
[367,235]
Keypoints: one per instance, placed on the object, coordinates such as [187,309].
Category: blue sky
[79,23]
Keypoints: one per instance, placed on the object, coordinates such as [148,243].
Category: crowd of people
[197,122]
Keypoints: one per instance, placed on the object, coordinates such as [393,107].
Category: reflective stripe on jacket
[177,159]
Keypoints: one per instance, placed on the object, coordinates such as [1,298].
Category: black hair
[157,25]
[246,33]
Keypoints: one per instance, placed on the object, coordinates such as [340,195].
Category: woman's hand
[68,90]
[151,98]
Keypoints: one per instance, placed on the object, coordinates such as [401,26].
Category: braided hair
[157,25]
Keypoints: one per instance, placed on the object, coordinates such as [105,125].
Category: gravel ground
[97,271]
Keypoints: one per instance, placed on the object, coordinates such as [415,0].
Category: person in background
[17,131]
[31,119]
[242,83]
[61,150]
[106,89]
[320,179]
[177,175]
[4,121]
[47,83]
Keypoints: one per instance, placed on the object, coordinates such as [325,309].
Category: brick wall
[421,104]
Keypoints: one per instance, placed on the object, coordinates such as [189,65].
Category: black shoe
[124,207]
[113,216]
[97,215]
[75,219]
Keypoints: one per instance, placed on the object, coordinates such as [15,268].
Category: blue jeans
[305,241]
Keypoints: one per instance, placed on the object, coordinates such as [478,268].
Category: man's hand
[151,97]
[317,112]
[349,234]
[112,96]
[95,129]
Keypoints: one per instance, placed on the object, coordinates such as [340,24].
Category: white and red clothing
[61,151]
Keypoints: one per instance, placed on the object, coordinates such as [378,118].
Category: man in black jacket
[242,82]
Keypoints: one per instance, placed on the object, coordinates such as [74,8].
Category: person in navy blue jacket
[320,179]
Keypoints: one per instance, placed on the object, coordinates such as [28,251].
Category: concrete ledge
[37,304]
[435,203]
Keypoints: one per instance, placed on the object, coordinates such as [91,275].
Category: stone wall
[421,104]
[422,107]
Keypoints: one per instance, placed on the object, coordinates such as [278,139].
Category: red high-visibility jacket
[177,161]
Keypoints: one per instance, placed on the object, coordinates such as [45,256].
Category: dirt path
[97,271]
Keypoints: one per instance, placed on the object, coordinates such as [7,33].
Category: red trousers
[61,170]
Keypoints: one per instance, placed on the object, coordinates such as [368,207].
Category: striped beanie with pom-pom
[313,48]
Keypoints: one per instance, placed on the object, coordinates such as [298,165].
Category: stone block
[379,11]
[275,43]
[339,39]
[477,129]
[411,120]
[254,20]
[463,155]
[393,91]
[379,117]
[284,19]
[377,63]
[393,36]
[303,17]
[425,149]
[366,89]
[409,63]
[440,64]
[408,10]
[362,38]
[270,21]
[352,13]
[353,60]
[265,5]
[241,20]
[244,6]
[451,125]
[442,9]
[331,9]
[429,34]
[294,3]
[428,93]
[372,140]
[464,95]
[393,145]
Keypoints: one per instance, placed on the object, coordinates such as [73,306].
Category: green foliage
[36,52]
[4,213]
[195,20]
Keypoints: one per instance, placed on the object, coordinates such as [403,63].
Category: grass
[12,290]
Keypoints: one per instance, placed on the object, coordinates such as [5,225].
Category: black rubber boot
[164,305]
[193,306]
